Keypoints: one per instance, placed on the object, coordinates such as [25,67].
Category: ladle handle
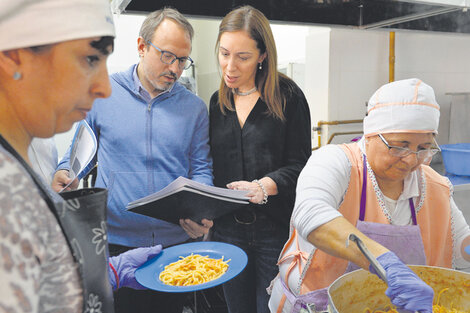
[373,261]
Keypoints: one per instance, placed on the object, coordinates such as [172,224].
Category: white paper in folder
[83,150]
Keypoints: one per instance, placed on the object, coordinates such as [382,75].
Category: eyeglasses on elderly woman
[423,155]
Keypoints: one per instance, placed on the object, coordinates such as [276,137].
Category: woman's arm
[320,192]
[332,236]
[321,187]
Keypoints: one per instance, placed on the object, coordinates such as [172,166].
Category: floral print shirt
[37,270]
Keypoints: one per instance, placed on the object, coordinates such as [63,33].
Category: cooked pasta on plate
[192,266]
[193,270]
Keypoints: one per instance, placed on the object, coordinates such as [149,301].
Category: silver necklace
[246,93]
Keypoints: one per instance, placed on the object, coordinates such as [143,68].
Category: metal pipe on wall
[320,123]
[391,78]
[391,58]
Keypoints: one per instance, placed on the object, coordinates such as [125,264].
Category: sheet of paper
[83,149]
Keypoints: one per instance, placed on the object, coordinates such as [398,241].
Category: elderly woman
[53,250]
[380,189]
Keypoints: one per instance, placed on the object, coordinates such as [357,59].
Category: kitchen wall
[357,65]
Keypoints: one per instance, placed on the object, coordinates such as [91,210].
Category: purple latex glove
[405,289]
[126,264]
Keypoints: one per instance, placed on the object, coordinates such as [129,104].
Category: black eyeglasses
[423,155]
[169,58]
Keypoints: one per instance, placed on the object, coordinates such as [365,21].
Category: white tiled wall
[358,65]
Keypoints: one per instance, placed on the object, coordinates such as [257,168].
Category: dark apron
[82,218]
[390,236]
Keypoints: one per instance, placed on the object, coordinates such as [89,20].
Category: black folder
[185,198]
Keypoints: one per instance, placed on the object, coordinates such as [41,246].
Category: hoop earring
[260,66]
[17,76]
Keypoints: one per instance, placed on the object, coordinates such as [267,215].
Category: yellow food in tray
[436,308]
[193,270]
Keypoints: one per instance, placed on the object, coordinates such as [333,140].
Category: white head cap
[403,106]
[29,23]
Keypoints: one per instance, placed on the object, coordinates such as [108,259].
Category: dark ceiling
[357,13]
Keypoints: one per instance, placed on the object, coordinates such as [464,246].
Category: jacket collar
[131,81]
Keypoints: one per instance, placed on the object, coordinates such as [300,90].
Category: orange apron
[425,243]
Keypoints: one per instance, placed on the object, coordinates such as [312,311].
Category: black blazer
[265,146]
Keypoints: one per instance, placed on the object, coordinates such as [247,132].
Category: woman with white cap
[53,249]
[381,190]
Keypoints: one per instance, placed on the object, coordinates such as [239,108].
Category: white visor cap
[404,106]
[31,23]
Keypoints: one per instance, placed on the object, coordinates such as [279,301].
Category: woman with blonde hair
[260,141]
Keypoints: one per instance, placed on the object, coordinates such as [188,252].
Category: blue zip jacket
[142,147]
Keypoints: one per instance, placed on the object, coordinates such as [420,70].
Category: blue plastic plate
[147,275]
[467,249]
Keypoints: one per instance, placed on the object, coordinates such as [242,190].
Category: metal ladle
[373,261]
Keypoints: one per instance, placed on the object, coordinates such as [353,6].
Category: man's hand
[195,230]
[61,179]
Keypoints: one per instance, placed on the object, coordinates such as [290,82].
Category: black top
[265,146]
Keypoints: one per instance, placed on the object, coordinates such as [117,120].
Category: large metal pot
[355,291]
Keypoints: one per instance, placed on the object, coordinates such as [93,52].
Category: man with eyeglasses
[382,190]
[150,131]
